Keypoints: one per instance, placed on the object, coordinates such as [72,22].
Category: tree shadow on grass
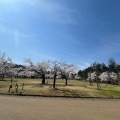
[41,85]
[4,80]
[73,93]
[58,85]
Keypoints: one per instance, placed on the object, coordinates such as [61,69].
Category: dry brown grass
[73,89]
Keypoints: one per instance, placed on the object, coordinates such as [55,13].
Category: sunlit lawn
[74,88]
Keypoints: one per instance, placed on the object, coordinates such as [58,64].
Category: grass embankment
[73,89]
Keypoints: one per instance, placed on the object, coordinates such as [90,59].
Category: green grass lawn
[73,89]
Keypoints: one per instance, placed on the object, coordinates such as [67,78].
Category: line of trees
[102,73]
[54,67]
[40,69]
[112,66]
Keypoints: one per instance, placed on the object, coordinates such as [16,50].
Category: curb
[58,96]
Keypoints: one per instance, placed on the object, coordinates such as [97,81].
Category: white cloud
[53,10]
[43,56]
[17,40]
[7,30]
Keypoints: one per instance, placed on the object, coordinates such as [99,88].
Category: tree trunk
[22,86]
[98,85]
[90,81]
[43,79]
[66,81]
[54,81]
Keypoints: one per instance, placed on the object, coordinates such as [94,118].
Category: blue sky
[75,31]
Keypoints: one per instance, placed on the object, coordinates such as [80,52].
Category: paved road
[31,108]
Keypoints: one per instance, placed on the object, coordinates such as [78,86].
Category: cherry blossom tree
[94,77]
[114,78]
[55,69]
[16,72]
[104,77]
[40,68]
[118,77]
[109,77]
[13,72]
[5,65]
[66,70]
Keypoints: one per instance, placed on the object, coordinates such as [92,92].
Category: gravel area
[42,108]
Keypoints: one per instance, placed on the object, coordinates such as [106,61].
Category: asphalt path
[41,108]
